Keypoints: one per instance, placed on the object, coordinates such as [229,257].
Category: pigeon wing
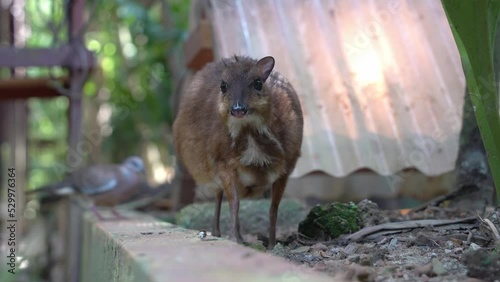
[97,179]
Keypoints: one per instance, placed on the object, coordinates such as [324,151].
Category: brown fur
[241,156]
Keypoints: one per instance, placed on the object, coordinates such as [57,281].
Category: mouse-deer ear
[265,66]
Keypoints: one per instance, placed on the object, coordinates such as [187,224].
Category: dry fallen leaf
[302,249]
[324,254]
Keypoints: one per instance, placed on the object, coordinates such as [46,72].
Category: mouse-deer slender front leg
[277,192]
[218,203]
[230,184]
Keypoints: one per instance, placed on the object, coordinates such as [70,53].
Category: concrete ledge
[145,249]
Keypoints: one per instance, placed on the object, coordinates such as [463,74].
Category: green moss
[331,220]
[257,246]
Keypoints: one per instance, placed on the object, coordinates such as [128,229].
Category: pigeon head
[134,163]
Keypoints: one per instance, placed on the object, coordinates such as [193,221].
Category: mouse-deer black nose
[238,110]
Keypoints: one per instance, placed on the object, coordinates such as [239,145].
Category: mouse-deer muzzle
[239,109]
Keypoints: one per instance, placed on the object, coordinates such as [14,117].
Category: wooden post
[198,49]
[194,54]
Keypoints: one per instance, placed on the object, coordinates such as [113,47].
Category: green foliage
[330,221]
[474,25]
[131,44]
[47,122]
[47,133]
[257,246]
[46,22]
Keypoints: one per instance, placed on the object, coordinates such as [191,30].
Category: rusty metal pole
[78,75]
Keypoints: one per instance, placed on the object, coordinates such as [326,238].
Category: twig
[491,227]
[434,202]
[432,240]
[469,237]
[395,226]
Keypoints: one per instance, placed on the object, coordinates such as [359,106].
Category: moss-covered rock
[279,250]
[254,216]
[331,220]
[257,246]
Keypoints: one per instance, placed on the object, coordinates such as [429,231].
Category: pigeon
[105,184]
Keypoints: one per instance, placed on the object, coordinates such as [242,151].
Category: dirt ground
[444,250]
[428,244]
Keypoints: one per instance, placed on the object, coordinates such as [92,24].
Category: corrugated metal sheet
[380,82]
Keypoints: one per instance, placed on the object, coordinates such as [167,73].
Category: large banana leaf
[474,24]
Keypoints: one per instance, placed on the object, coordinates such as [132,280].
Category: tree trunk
[473,185]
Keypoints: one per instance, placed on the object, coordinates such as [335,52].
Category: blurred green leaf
[474,25]
[90,88]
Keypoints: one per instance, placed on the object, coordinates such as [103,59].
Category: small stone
[379,263]
[379,254]
[457,242]
[360,273]
[392,244]
[302,249]
[202,234]
[320,266]
[394,257]
[351,249]
[447,251]
[450,244]
[311,258]
[438,267]
[353,258]
[278,250]
[423,269]
[331,263]
[434,268]
[319,247]
[366,260]
[335,250]
[339,256]
[433,255]
[370,213]
[474,247]
[370,245]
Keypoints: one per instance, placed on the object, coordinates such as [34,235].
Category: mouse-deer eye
[257,84]
[223,87]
